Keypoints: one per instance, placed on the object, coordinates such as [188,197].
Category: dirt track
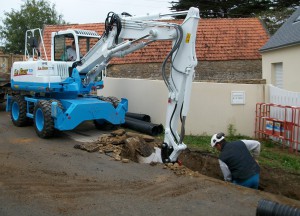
[50,177]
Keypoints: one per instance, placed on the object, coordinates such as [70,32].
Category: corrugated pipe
[143,127]
[138,116]
[270,208]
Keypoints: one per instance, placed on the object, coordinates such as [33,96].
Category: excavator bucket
[155,157]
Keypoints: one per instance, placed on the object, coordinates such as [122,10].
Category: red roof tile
[217,39]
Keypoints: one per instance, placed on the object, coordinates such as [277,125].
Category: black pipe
[270,208]
[143,127]
[158,127]
[138,116]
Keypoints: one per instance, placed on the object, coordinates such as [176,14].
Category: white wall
[211,110]
[289,57]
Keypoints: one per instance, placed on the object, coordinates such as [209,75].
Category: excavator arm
[124,35]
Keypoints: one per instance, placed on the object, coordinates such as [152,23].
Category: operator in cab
[237,163]
[71,52]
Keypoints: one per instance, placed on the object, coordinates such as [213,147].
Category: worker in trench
[237,163]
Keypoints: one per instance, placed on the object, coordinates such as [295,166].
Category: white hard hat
[217,138]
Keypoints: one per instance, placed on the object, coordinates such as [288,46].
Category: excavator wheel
[113,100]
[43,121]
[59,104]
[18,111]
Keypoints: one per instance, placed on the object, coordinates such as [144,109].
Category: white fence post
[285,98]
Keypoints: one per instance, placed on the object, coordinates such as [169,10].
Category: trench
[275,181]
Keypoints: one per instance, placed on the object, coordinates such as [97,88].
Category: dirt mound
[127,146]
[122,145]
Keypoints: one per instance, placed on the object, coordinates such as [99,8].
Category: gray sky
[92,11]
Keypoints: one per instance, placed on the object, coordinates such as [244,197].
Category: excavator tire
[18,111]
[59,104]
[43,121]
[113,100]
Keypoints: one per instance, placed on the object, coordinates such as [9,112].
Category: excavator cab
[63,42]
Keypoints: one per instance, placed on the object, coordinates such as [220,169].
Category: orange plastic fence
[280,123]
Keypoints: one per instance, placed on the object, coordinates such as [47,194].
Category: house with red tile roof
[226,49]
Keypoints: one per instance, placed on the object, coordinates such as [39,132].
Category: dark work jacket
[239,160]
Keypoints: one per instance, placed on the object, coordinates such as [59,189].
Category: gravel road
[50,177]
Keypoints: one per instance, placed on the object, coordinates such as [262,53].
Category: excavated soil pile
[127,146]
[122,145]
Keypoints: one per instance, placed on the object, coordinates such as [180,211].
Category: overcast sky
[92,11]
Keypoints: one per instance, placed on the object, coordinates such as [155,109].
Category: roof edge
[279,47]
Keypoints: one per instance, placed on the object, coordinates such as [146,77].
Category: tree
[223,9]
[273,12]
[33,14]
[273,19]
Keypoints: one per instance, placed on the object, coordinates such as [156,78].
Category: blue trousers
[251,182]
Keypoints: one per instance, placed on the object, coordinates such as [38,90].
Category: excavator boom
[123,36]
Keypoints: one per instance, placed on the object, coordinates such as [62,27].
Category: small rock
[169,164]
[132,134]
[77,146]
[175,165]
[118,140]
[117,158]
[119,132]
[147,138]
[124,160]
[104,139]
[89,147]
[153,163]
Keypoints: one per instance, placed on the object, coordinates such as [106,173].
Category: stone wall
[217,71]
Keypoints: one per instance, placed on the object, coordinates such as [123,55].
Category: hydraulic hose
[182,130]
[170,124]
[110,20]
[175,47]
[178,43]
